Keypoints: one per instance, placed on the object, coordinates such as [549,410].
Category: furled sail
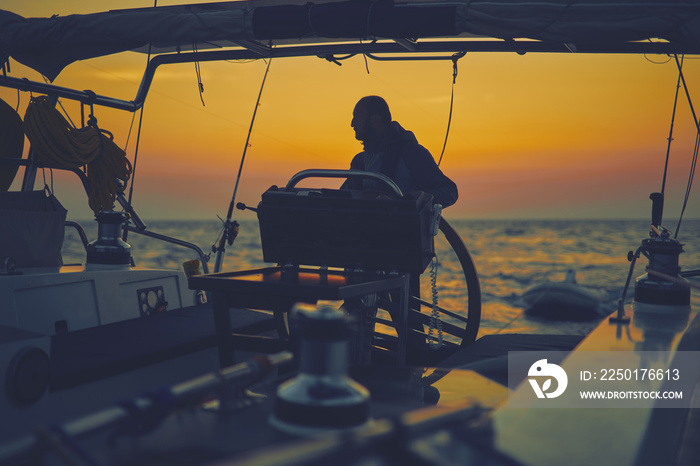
[50,44]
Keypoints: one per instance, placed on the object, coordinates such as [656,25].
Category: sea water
[510,257]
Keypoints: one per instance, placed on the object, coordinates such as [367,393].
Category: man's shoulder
[405,139]
[358,161]
[410,147]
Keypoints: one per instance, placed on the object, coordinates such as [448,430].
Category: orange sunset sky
[533,136]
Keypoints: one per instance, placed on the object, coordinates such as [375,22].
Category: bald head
[370,118]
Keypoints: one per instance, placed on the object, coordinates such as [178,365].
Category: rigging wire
[697,143]
[646,57]
[129,207]
[5,70]
[364,56]
[691,176]
[198,72]
[634,256]
[46,185]
[230,229]
[455,58]
[128,135]
[65,113]
[670,133]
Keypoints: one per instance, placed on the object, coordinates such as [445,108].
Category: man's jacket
[398,155]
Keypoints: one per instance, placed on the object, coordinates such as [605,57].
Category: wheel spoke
[422,302]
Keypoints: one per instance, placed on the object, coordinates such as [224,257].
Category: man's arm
[357,163]
[430,178]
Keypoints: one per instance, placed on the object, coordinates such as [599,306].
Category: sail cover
[49,44]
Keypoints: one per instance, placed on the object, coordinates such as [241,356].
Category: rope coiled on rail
[60,145]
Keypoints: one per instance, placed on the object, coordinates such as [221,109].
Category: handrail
[81,232]
[168,239]
[85,97]
[319,173]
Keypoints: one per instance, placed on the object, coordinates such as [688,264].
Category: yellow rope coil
[59,145]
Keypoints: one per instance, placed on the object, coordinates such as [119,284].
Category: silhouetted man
[391,150]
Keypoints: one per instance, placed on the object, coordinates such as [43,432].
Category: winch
[662,283]
[108,250]
[322,396]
